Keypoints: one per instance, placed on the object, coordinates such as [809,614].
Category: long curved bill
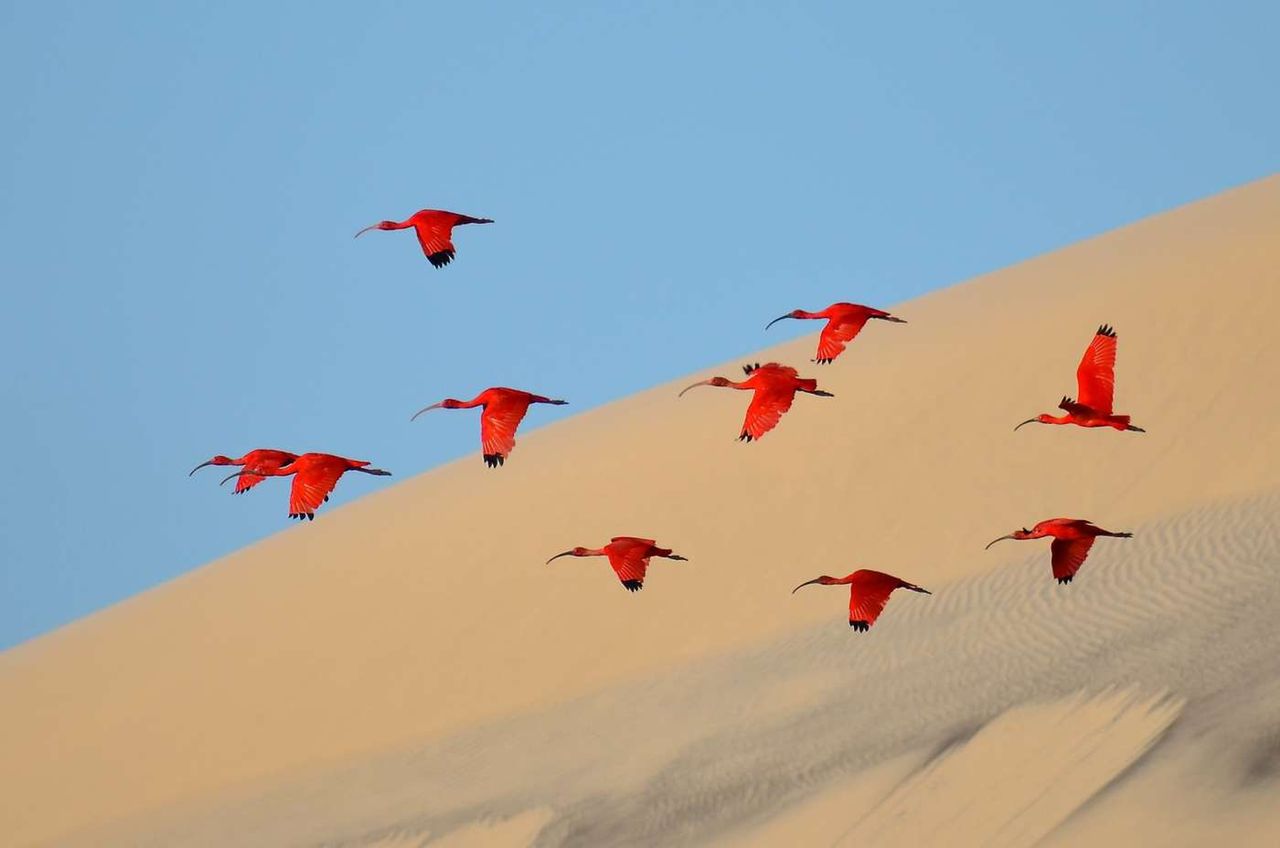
[806,583]
[557,556]
[776,320]
[1001,539]
[694,386]
[201,465]
[425,409]
[1028,421]
[365,230]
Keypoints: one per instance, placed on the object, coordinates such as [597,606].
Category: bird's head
[573,552]
[1024,533]
[381,225]
[217,460]
[795,313]
[1042,418]
[447,403]
[824,580]
[714,381]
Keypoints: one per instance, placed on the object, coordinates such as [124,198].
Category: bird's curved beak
[776,320]
[426,409]
[557,556]
[694,386]
[365,230]
[1028,421]
[201,465]
[240,473]
[806,583]
[1001,539]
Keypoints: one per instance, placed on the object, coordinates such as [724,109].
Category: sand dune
[397,672]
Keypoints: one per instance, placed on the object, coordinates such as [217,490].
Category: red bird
[629,557]
[1096,380]
[504,409]
[1072,539]
[315,475]
[434,228]
[775,387]
[844,322]
[255,462]
[869,591]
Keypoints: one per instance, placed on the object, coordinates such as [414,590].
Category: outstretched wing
[1096,376]
[311,487]
[838,333]
[498,425]
[630,560]
[868,593]
[1068,555]
[435,234]
[765,411]
[246,481]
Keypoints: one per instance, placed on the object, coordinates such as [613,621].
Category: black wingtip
[745,437]
[1107,330]
[493,460]
[441,259]
[1065,580]
[633,585]
[747,369]
[860,626]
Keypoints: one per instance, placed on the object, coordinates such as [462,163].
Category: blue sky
[181,184]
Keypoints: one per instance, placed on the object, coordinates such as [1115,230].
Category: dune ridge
[371,673]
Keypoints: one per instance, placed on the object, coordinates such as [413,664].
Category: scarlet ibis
[869,591]
[504,409]
[1072,539]
[775,387]
[435,230]
[629,557]
[254,462]
[315,475]
[844,322]
[1096,381]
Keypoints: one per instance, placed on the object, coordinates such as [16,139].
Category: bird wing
[630,561]
[434,234]
[1068,555]
[311,487]
[868,593]
[1096,376]
[498,425]
[765,411]
[838,333]
[247,481]
[266,460]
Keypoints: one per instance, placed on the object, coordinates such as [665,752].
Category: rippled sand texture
[398,673]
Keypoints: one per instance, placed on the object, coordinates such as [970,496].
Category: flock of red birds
[773,388]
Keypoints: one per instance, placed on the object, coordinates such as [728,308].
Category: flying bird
[435,231]
[629,557]
[315,475]
[255,462]
[775,387]
[504,409]
[1096,381]
[1072,539]
[869,591]
[844,322]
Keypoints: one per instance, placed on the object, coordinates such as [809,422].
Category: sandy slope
[398,671]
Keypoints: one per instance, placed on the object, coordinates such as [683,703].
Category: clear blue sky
[181,183]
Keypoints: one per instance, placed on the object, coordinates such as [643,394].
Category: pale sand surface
[406,669]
